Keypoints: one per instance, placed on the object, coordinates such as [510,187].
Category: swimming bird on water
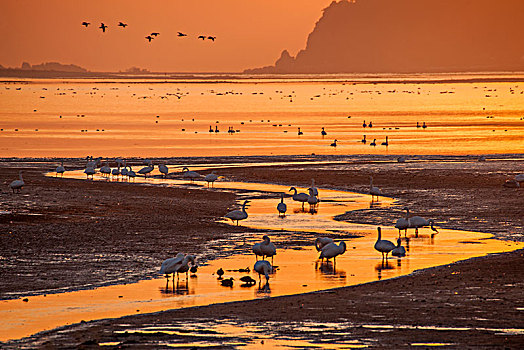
[364,125]
[17,184]
[373,191]
[281,206]
[60,169]
[227,282]
[323,132]
[300,132]
[385,143]
[237,215]
[374,143]
[103,27]
[399,250]
[383,246]
[248,280]
[85,24]
[191,175]
[220,273]
[370,125]
[263,267]
[320,242]
[331,250]
[299,197]
[334,144]
[363,139]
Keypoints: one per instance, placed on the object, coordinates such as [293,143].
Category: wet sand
[127,229]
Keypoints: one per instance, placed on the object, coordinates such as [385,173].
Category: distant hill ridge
[410,36]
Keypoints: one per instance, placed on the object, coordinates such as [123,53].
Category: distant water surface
[464,114]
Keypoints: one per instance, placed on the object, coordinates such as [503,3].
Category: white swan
[263,267]
[268,249]
[238,214]
[312,200]
[399,250]
[403,223]
[299,197]
[116,172]
[383,245]
[184,266]
[124,171]
[105,170]
[146,170]
[131,174]
[17,184]
[191,175]
[171,265]
[313,188]
[257,250]
[163,169]
[320,242]
[60,169]
[281,206]
[211,178]
[90,172]
[373,191]
[417,222]
[331,250]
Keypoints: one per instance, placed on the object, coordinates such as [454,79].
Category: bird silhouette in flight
[122,24]
[181,34]
[103,27]
[149,37]
[203,37]
[212,38]
[85,24]
[155,34]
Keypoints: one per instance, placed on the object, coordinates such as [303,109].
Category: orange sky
[250,33]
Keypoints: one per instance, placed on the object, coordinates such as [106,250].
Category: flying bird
[149,37]
[121,24]
[103,27]
[85,24]
[212,38]
[203,37]
[181,34]
[155,34]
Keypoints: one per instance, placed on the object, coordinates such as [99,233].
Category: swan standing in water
[146,170]
[237,215]
[312,200]
[90,172]
[171,265]
[417,222]
[399,250]
[281,206]
[313,188]
[321,242]
[191,175]
[331,250]
[299,197]
[17,184]
[211,178]
[60,169]
[382,245]
[163,169]
[373,191]
[116,172]
[263,267]
[105,170]
[131,174]
[267,248]
[184,266]
[403,223]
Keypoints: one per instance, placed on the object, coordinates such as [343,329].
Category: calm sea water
[164,118]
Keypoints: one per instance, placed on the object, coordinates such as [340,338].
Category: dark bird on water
[220,273]
[85,24]
[194,269]
[228,282]
[212,38]
[203,37]
[122,24]
[248,280]
[181,34]
[155,34]
[103,27]
[149,37]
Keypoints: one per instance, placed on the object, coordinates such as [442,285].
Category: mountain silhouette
[408,36]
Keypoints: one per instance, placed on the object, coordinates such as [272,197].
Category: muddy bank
[62,234]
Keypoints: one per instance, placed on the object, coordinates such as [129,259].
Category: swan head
[399,241]
[266,238]
[292,189]
[185,169]
[379,232]
[343,246]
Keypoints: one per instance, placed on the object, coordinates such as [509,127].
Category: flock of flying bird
[151,36]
